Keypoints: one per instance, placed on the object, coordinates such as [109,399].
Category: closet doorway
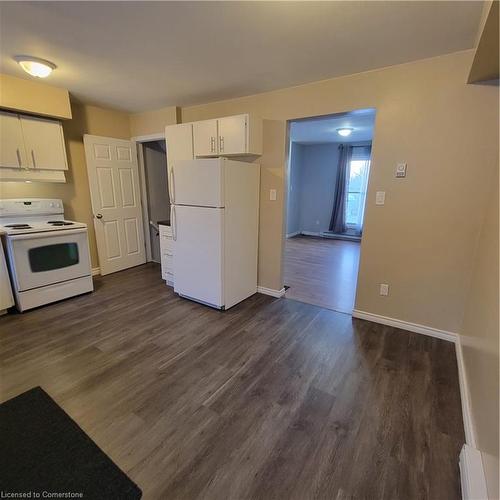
[328,172]
[154,184]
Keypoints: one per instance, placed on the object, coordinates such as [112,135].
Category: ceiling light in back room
[35,66]
[345,131]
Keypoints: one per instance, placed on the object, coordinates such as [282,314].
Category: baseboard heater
[337,236]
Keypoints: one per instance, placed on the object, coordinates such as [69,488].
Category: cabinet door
[44,142]
[205,138]
[233,135]
[12,152]
[179,139]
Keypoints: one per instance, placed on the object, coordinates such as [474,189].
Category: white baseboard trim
[470,436]
[310,233]
[405,325]
[96,271]
[291,235]
[271,291]
[472,474]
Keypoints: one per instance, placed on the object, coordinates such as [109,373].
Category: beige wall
[153,122]
[422,241]
[75,192]
[480,335]
[485,66]
[34,97]
[271,220]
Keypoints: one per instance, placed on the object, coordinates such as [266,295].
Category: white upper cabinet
[205,138]
[28,142]
[44,143]
[12,150]
[233,135]
[239,135]
[179,140]
[236,136]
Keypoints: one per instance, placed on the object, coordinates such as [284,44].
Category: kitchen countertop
[165,222]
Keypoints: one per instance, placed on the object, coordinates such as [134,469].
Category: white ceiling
[144,55]
[324,129]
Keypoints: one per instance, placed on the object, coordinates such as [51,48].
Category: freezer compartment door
[198,253]
[197,182]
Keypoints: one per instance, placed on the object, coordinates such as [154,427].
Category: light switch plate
[380,198]
[384,289]
[401,170]
[272,194]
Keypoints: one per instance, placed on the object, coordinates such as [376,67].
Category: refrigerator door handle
[173,221]
[171,185]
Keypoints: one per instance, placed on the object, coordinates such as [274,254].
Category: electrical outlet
[380,198]
[401,170]
[272,194]
[384,289]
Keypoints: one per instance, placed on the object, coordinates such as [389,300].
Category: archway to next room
[328,171]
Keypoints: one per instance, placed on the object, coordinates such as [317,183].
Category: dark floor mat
[44,450]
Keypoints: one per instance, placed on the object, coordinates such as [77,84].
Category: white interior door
[197,182]
[198,252]
[116,204]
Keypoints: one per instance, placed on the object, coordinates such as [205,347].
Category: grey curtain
[337,222]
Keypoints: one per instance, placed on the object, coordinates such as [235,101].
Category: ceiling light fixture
[35,66]
[345,131]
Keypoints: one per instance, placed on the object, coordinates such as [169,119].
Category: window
[356,187]
[50,257]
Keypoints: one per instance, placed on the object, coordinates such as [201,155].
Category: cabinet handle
[18,153]
[33,158]
[212,144]
[221,144]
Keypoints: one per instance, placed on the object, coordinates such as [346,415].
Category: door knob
[98,216]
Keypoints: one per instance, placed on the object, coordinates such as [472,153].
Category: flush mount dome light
[35,66]
[345,131]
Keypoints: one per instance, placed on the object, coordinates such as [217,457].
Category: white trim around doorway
[140,140]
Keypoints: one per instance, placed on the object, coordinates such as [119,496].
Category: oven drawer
[40,259]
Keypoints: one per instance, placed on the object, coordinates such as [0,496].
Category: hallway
[322,271]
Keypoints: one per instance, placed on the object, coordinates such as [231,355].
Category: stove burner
[59,223]
[18,226]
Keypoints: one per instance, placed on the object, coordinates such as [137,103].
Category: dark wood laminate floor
[273,399]
[322,271]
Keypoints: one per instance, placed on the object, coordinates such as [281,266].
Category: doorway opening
[328,173]
[156,201]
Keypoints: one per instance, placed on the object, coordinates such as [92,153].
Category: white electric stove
[47,255]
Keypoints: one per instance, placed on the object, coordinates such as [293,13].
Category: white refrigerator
[215,223]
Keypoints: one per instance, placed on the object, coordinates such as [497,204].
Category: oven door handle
[46,234]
